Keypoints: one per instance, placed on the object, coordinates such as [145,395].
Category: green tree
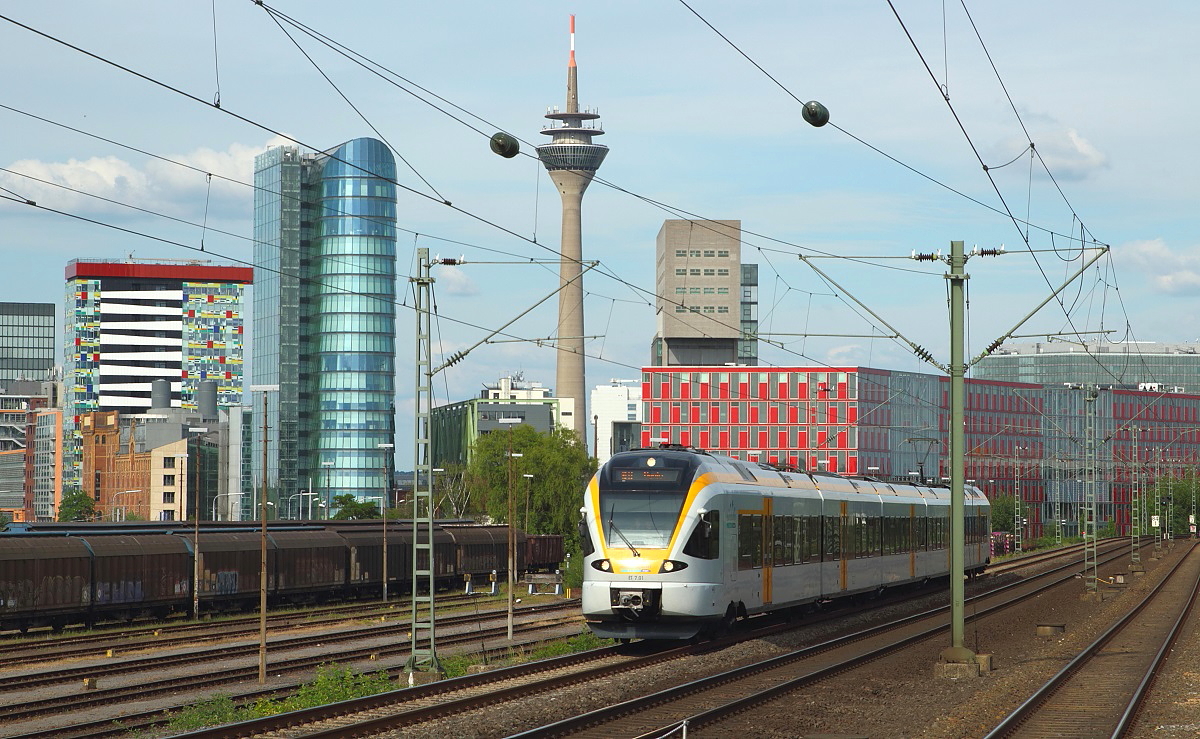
[546,503]
[1003,511]
[350,507]
[76,505]
[5,519]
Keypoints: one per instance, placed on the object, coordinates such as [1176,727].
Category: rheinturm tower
[572,159]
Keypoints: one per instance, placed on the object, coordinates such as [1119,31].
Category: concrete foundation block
[424,677]
[984,661]
[956,670]
[1050,629]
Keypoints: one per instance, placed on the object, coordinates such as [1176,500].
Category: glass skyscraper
[324,320]
[27,341]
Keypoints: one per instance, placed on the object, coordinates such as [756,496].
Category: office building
[616,418]
[1130,364]
[572,159]
[27,341]
[324,318]
[456,426]
[130,322]
[893,425]
[707,304]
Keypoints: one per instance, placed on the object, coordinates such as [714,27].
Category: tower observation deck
[572,160]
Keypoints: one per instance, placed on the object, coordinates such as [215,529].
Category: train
[57,574]
[680,543]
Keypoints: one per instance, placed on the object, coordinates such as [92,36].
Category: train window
[768,539]
[749,541]
[832,535]
[705,541]
[872,541]
[785,548]
[812,538]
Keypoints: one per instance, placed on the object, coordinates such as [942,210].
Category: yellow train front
[679,542]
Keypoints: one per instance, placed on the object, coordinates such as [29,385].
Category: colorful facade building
[130,322]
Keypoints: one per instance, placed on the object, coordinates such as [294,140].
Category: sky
[932,110]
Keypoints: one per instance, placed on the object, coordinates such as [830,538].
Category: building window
[709,291]
[169,480]
[710,253]
[694,291]
[722,272]
[681,252]
[722,291]
[168,463]
[169,497]
[681,291]
[722,252]
[694,252]
[680,272]
[695,272]
[709,272]
[722,308]
[681,309]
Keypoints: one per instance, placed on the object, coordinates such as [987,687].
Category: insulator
[505,145]
[815,113]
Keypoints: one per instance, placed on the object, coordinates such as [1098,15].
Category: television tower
[572,159]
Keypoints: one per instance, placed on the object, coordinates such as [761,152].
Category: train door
[768,549]
[729,547]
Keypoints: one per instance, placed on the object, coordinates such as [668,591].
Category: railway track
[28,651]
[1100,691]
[398,648]
[711,699]
[407,708]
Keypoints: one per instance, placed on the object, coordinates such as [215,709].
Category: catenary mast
[572,159]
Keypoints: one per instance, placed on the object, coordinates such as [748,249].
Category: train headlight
[603,565]
[671,565]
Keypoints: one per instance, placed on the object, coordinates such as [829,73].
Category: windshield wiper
[613,527]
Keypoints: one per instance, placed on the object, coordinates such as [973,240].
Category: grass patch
[581,642]
[332,684]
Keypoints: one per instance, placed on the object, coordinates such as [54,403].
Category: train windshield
[641,495]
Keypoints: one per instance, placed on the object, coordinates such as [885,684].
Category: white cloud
[1066,153]
[1171,270]
[152,184]
[454,281]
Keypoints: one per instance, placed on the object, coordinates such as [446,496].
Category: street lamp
[383,507]
[528,484]
[117,496]
[512,534]
[195,495]
[328,467]
[216,500]
[262,573]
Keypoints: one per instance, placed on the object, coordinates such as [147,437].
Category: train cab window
[750,540]
[641,497]
[586,546]
[705,541]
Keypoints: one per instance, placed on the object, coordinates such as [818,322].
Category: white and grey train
[678,541]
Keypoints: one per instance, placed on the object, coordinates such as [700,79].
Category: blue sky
[1105,90]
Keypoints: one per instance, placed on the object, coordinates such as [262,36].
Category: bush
[332,684]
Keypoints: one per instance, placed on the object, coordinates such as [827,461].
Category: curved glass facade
[353,331]
[325,318]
